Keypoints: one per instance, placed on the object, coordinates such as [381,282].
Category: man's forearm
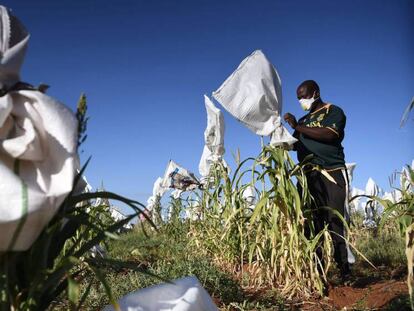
[321,134]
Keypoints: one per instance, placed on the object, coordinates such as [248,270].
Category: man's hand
[290,118]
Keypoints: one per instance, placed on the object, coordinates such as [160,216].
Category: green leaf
[73,293]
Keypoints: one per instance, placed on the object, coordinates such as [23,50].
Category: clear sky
[145,66]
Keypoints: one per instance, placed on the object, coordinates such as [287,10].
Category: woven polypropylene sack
[38,147]
[253,95]
[213,138]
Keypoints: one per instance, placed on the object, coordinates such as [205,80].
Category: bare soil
[382,290]
[375,296]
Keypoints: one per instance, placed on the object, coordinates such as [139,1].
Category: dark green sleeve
[335,119]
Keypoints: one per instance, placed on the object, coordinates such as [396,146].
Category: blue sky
[145,66]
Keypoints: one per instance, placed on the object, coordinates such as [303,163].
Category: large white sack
[253,95]
[350,173]
[157,192]
[177,177]
[213,138]
[249,195]
[371,206]
[358,203]
[350,167]
[371,187]
[393,196]
[186,294]
[38,142]
[176,194]
[406,183]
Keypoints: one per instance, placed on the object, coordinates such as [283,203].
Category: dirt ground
[369,289]
[383,295]
[384,290]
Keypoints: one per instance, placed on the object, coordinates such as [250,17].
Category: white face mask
[306,103]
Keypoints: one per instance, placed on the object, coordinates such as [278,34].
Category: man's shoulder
[335,109]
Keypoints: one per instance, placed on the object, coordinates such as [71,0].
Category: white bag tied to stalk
[157,192]
[393,196]
[186,294]
[350,167]
[38,142]
[371,187]
[371,206]
[406,183]
[249,195]
[176,194]
[253,95]
[213,138]
[177,177]
[357,203]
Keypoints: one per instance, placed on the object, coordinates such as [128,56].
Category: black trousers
[335,196]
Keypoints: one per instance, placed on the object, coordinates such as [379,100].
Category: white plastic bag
[213,138]
[371,206]
[371,187]
[350,167]
[393,196]
[177,177]
[357,203]
[186,294]
[176,194]
[253,95]
[157,192]
[38,142]
[406,183]
[249,195]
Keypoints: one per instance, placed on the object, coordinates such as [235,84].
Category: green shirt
[327,155]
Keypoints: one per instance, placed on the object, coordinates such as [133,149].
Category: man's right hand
[290,118]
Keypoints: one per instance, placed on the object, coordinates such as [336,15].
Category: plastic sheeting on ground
[38,142]
[186,294]
[213,138]
[253,95]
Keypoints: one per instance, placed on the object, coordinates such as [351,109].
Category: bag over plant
[38,146]
[177,177]
[157,192]
[213,138]
[253,95]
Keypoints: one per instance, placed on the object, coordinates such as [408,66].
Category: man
[320,134]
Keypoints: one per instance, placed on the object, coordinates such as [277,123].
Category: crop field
[285,227]
[249,255]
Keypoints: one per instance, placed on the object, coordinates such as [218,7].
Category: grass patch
[168,257]
[386,248]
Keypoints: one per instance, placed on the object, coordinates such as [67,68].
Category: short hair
[310,85]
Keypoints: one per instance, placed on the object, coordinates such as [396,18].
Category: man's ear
[317,94]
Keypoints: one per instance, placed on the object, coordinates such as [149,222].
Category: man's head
[308,89]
